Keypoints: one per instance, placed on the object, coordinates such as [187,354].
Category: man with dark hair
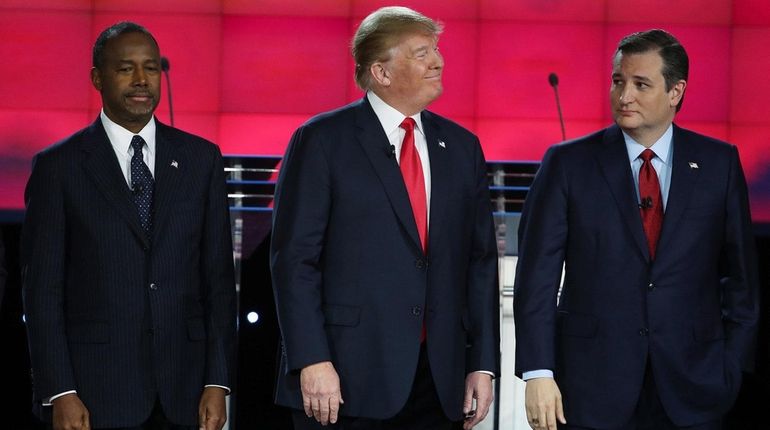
[128,282]
[383,255]
[650,222]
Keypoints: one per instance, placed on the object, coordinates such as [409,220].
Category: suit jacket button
[643,331]
[416,311]
[419,263]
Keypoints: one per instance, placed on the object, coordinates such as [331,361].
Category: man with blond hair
[383,255]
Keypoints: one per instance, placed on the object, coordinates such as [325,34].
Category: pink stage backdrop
[245,73]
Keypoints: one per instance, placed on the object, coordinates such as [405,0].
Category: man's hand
[69,413]
[321,396]
[543,404]
[212,411]
[478,386]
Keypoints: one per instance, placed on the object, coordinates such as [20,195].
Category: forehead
[649,61]
[128,44]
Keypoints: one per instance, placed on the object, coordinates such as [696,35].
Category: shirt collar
[389,117]
[661,147]
[121,137]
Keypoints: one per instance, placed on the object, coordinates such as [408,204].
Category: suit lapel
[103,168]
[439,174]
[613,159]
[167,177]
[375,144]
[683,181]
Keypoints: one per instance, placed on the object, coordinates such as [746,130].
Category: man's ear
[96,78]
[380,74]
[677,92]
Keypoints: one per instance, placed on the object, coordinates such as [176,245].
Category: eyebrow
[634,77]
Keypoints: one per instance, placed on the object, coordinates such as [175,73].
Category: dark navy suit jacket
[691,313]
[351,281]
[120,317]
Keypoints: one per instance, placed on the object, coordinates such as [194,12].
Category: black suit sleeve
[300,217]
[218,280]
[483,292]
[44,240]
[739,278]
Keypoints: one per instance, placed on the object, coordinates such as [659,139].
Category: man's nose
[140,77]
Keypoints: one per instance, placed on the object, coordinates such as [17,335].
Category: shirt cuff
[540,373]
[486,372]
[220,386]
[49,401]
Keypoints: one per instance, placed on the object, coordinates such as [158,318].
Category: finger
[317,409]
[542,416]
[468,402]
[306,405]
[550,417]
[334,408]
[482,408]
[560,412]
[325,410]
[201,420]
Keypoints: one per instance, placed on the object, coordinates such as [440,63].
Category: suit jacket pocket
[708,329]
[577,325]
[88,332]
[196,329]
[343,315]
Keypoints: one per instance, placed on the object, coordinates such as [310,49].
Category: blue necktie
[142,185]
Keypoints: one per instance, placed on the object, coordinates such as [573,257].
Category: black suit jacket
[352,284]
[691,313]
[120,317]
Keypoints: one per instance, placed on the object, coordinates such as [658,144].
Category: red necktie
[651,206]
[411,169]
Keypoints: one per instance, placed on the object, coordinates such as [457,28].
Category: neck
[647,137]
[407,109]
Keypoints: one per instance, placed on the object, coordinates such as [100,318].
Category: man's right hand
[321,395]
[542,400]
[69,413]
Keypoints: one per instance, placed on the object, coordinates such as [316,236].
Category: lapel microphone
[391,151]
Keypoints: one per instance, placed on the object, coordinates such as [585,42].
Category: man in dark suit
[127,261]
[657,315]
[383,255]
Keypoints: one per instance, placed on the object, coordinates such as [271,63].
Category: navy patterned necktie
[141,185]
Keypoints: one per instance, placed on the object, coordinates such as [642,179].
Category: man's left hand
[212,411]
[478,385]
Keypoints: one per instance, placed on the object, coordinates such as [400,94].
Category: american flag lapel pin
[693,165]
[175,165]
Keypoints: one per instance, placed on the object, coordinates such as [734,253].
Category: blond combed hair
[380,32]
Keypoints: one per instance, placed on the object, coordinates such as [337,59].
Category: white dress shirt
[120,138]
[391,119]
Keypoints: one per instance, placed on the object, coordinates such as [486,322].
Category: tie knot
[137,143]
[408,124]
[647,155]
